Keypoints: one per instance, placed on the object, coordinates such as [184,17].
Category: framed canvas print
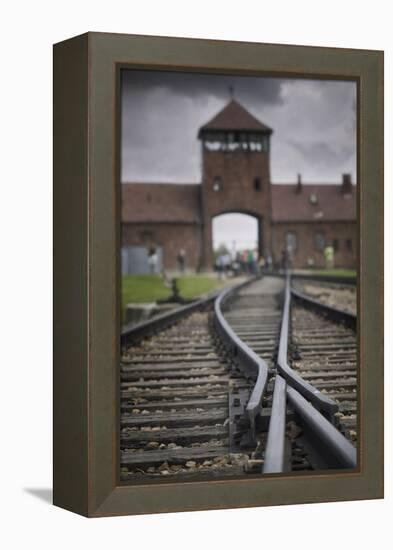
[218,288]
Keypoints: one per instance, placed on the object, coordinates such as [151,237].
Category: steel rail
[275,447]
[336,450]
[335,279]
[327,442]
[317,398]
[248,361]
[332,312]
[133,333]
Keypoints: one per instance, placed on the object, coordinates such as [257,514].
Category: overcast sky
[314,123]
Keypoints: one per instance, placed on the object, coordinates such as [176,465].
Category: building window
[291,241]
[320,241]
[257,184]
[217,184]
[348,244]
[336,245]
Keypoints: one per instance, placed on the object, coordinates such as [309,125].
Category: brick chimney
[346,184]
[299,184]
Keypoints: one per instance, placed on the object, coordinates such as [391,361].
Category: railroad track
[336,295]
[206,391]
[324,352]
[175,387]
[317,342]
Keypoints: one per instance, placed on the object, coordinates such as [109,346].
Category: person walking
[244,260]
[329,257]
[269,262]
[181,260]
[250,261]
[153,260]
[221,266]
[284,259]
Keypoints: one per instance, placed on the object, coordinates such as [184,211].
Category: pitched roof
[235,117]
[160,202]
[314,202]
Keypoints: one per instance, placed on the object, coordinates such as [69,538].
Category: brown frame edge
[86,268]
[70,274]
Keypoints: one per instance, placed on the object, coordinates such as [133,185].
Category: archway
[235,233]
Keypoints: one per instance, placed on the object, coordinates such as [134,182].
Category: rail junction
[258,379]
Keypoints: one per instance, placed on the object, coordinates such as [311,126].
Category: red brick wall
[237,171]
[171,236]
[306,248]
[160,202]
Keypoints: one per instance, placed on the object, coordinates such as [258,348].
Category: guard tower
[235,173]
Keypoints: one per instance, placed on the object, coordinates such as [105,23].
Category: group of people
[245,261]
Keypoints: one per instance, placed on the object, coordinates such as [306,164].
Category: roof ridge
[234,116]
[189,184]
[331,204]
[315,184]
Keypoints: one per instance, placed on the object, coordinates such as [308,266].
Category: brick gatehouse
[235,149]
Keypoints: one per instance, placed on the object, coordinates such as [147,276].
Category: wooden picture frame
[86,271]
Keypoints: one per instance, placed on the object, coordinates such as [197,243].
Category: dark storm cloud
[315,131]
[161,114]
[313,122]
[322,154]
[201,86]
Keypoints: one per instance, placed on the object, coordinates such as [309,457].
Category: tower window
[217,184]
[336,245]
[348,243]
[257,184]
